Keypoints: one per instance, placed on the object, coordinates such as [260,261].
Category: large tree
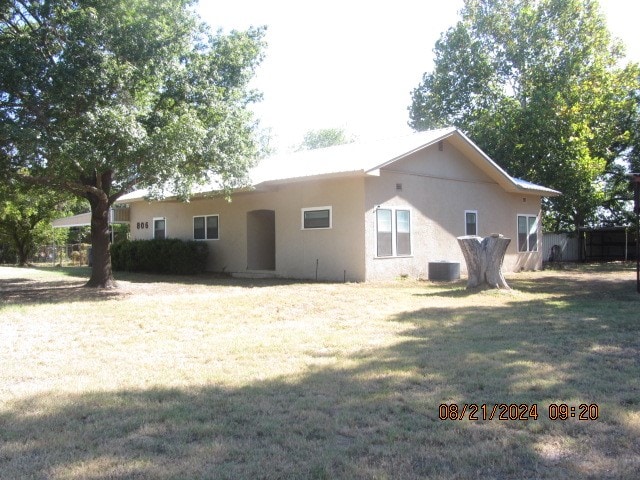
[99,97]
[539,86]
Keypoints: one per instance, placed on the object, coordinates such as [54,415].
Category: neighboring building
[361,211]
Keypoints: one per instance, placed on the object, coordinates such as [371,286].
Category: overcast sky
[353,63]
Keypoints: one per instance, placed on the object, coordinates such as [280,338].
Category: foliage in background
[8,254]
[539,86]
[324,137]
[166,256]
[634,153]
[25,219]
[103,96]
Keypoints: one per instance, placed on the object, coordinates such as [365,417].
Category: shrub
[8,254]
[170,256]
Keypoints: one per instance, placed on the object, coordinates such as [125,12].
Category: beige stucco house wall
[437,177]
[440,185]
[336,253]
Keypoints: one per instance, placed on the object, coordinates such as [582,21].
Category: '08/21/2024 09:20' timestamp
[516,411]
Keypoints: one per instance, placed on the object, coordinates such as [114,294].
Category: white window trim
[205,227]
[313,209]
[154,226]
[394,231]
[465,221]
[538,236]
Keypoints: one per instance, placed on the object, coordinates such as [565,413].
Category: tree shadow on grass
[583,285]
[372,415]
[22,291]
[27,291]
[208,279]
[580,287]
[204,279]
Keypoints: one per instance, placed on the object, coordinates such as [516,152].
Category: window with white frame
[384,232]
[403,232]
[315,218]
[527,233]
[471,222]
[160,228]
[393,232]
[205,227]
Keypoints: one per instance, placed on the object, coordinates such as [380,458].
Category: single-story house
[360,211]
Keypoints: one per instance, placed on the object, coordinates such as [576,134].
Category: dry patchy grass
[218,378]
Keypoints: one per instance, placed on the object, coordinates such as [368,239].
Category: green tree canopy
[539,86]
[102,96]
[26,214]
[324,137]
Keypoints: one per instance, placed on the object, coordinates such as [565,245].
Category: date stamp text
[516,411]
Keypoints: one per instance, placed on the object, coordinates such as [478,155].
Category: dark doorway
[261,240]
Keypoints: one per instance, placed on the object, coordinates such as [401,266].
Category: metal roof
[360,157]
[367,158]
[532,186]
[80,220]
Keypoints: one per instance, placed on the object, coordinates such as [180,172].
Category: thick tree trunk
[22,248]
[101,273]
[484,259]
[23,256]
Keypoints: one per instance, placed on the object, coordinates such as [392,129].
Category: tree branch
[122,190]
[14,27]
[78,189]
[25,19]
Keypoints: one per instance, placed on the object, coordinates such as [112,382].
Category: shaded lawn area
[218,378]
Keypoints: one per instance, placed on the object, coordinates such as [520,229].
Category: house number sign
[142,225]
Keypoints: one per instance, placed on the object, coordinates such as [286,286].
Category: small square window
[316,218]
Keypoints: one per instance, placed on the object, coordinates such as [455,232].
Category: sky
[352,64]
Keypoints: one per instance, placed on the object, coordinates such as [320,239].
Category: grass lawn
[218,378]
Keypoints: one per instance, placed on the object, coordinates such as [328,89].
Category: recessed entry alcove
[261,240]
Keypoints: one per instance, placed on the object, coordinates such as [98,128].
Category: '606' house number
[142,225]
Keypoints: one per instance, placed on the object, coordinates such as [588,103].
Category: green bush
[8,254]
[170,256]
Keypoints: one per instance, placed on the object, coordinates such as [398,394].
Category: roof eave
[491,168]
[545,192]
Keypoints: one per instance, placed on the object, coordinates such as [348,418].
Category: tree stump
[484,260]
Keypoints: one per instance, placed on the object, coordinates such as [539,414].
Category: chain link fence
[70,254]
